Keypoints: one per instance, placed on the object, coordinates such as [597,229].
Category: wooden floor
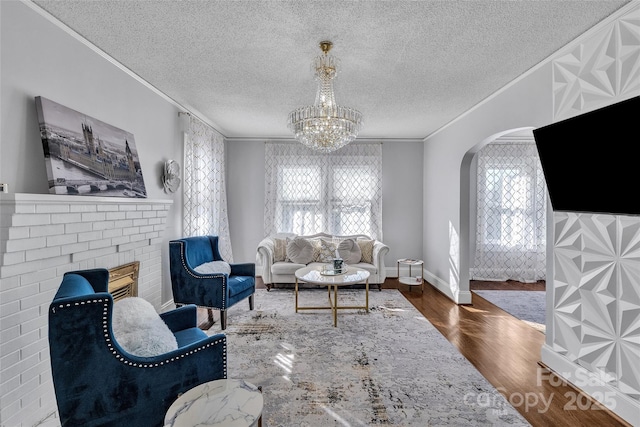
[506,351]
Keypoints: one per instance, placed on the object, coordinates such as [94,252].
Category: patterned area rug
[386,367]
[528,306]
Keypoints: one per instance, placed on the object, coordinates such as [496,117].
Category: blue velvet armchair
[212,291]
[97,383]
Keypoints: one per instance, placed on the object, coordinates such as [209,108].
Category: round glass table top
[313,274]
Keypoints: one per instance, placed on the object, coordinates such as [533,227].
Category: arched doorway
[503,224]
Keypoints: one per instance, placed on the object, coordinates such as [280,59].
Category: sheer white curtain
[339,193]
[205,197]
[511,220]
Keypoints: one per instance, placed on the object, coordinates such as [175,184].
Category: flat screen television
[591,162]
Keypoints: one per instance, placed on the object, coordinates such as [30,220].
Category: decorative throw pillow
[279,250]
[299,250]
[139,329]
[315,244]
[327,251]
[366,247]
[214,267]
[350,251]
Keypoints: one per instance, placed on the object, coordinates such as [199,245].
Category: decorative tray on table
[332,272]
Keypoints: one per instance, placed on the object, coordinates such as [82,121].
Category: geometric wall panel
[596,258]
[602,70]
[629,302]
[596,296]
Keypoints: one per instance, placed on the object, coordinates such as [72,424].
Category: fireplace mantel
[74,199]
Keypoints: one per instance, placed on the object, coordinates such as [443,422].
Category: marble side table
[229,403]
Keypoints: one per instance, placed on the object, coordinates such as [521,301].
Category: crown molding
[55,21]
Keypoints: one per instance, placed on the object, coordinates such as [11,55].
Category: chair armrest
[243,269]
[265,251]
[172,374]
[97,277]
[380,250]
[266,248]
[181,318]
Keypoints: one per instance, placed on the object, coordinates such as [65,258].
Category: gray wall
[447,160]
[41,59]
[64,68]
[401,198]
[529,102]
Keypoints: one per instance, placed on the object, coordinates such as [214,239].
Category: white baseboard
[593,385]
[457,296]
[391,273]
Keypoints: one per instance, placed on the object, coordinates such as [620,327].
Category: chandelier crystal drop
[325,126]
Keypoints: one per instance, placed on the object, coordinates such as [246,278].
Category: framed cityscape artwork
[86,156]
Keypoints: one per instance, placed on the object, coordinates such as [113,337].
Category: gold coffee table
[349,276]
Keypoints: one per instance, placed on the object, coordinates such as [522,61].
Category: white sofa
[282,272]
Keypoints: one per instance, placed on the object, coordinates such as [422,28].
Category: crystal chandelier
[325,126]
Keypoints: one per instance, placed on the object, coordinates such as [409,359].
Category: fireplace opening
[123,280]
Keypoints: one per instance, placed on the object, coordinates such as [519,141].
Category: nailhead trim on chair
[123,358]
[214,276]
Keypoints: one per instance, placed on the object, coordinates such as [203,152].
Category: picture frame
[86,156]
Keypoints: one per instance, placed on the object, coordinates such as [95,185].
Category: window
[507,203]
[511,220]
[337,193]
[299,203]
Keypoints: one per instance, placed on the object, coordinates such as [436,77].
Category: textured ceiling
[409,66]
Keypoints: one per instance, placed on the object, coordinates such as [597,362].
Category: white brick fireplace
[42,236]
